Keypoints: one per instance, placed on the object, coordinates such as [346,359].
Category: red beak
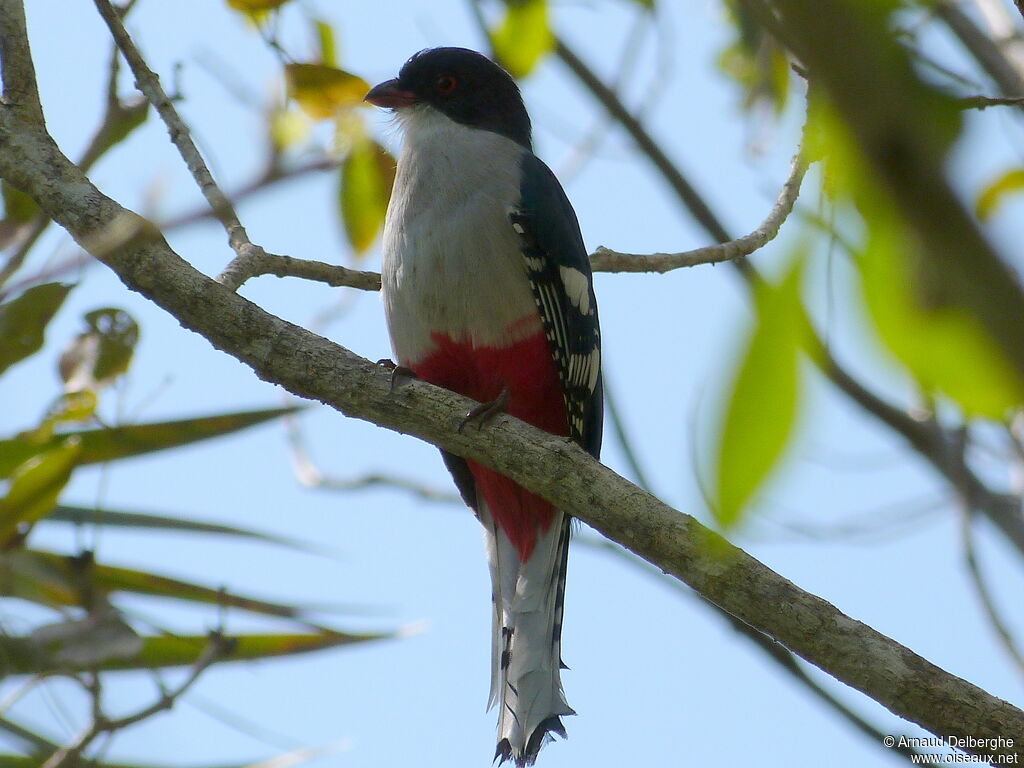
[389,94]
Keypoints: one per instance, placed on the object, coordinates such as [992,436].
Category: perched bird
[488,292]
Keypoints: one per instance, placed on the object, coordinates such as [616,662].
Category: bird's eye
[446,84]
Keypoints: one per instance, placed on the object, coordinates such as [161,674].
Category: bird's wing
[560,276]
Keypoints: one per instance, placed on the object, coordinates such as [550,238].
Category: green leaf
[36,485]
[102,352]
[149,522]
[113,443]
[524,37]
[761,412]
[943,346]
[62,580]
[23,656]
[323,91]
[367,176]
[16,761]
[127,118]
[325,42]
[23,321]
[996,192]
[19,208]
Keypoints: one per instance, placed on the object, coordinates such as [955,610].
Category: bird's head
[461,84]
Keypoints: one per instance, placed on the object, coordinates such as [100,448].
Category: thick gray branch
[315,368]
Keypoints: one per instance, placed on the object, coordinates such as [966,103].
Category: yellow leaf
[323,91]
[524,37]
[995,193]
[367,175]
[288,127]
[256,5]
[36,485]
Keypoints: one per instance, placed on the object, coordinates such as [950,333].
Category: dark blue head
[462,84]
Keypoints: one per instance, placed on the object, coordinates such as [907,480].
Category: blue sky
[656,677]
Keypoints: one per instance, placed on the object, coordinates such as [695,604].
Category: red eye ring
[446,84]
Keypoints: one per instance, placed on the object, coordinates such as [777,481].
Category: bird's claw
[483,412]
[397,371]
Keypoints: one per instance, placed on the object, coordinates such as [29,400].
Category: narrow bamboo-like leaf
[150,522]
[367,176]
[22,656]
[16,761]
[944,347]
[112,443]
[524,36]
[762,407]
[996,192]
[323,90]
[23,321]
[36,485]
[53,579]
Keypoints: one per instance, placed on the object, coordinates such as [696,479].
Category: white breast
[452,262]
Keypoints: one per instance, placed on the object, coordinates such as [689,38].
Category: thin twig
[148,82]
[983,49]
[310,475]
[606,260]
[984,102]
[101,724]
[1000,627]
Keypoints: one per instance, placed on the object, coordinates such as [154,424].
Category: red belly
[528,371]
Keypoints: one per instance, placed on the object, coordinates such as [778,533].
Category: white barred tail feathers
[526,643]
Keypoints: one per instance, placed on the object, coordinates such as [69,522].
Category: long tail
[527,637]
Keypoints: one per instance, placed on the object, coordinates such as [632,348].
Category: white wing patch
[577,288]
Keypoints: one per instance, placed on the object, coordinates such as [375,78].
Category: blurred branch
[1000,627]
[101,724]
[605,260]
[274,174]
[310,475]
[148,82]
[983,49]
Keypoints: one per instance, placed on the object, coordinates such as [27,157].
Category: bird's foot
[484,412]
[398,372]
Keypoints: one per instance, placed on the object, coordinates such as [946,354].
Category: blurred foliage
[367,175]
[755,61]
[524,36]
[997,191]
[761,409]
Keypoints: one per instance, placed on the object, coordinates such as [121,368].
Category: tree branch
[553,467]
[605,260]
[101,724]
[147,81]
